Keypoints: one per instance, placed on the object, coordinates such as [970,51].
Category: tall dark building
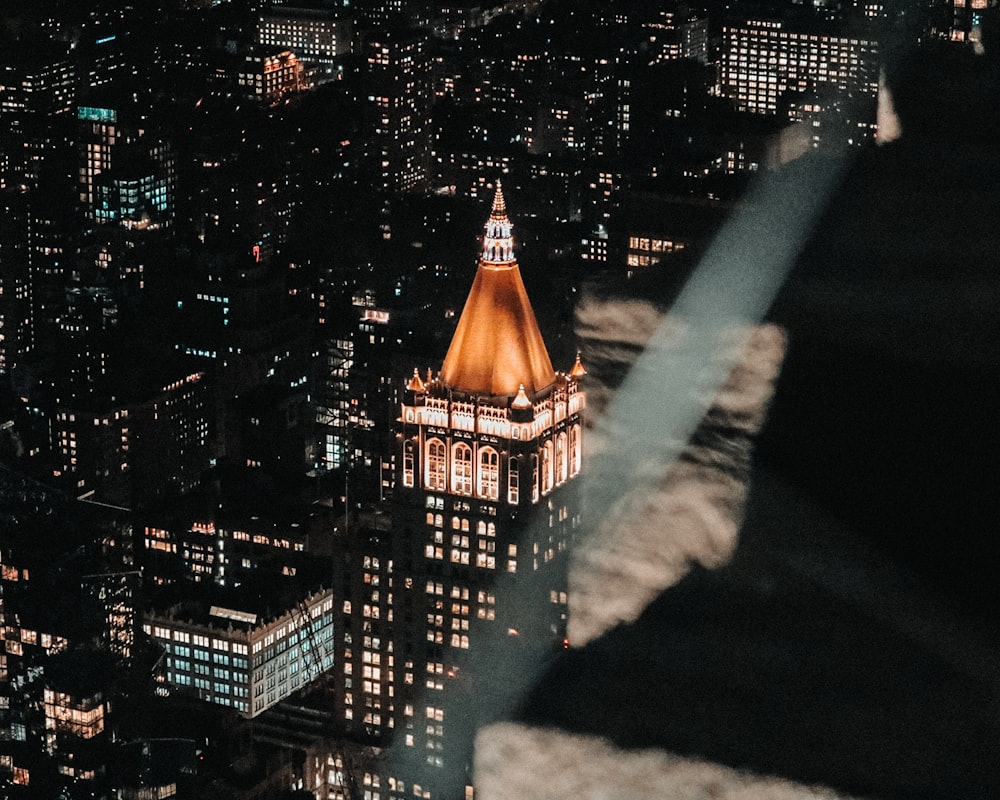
[69,620]
[37,90]
[16,331]
[127,174]
[400,93]
[358,400]
[967,16]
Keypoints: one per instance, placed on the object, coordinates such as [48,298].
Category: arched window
[481,528]
[534,477]
[408,463]
[562,460]
[548,467]
[489,473]
[461,469]
[513,478]
[436,473]
[430,517]
[575,454]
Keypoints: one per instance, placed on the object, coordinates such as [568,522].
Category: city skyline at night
[405,400]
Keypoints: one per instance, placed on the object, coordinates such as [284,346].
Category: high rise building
[37,89]
[67,606]
[318,36]
[355,409]
[334,403]
[967,16]
[492,442]
[678,35]
[767,62]
[400,93]
[234,319]
[16,333]
[52,246]
[127,174]
[136,438]
[383,13]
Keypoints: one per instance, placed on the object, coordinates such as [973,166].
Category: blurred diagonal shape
[688,363]
[553,765]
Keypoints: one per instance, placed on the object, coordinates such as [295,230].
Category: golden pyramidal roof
[415,384]
[497,346]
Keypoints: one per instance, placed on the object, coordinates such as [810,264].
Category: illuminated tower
[493,441]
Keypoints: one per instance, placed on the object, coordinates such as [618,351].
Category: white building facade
[235,659]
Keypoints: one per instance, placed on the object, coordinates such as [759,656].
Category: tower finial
[521,401]
[498,243]
[497,347]
[499,207]
[415,384]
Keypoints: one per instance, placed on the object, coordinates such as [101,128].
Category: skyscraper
[492,442]
[767,62]
[37,90]
[68,610]
[400,94]
[127,174]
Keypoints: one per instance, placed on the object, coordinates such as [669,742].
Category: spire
[497,346]
[578,370]
[498,243]
[499,207]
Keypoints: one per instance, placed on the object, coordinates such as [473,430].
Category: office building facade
[318,36]
[766,62]
[400,93]
[240,660]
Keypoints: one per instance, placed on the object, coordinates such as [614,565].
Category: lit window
[562,464]
[461,470]
[435,465]
[548,468]
[489,473]
[408,464]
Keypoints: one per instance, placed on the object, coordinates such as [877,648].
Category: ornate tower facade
[493,440]
[497,426]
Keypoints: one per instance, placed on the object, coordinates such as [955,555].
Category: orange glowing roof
[415,384]
[497,345]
